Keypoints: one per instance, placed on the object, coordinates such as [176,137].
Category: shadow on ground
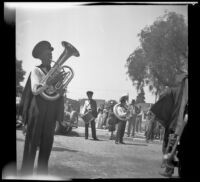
[62,149]
[138,144]
[71,134]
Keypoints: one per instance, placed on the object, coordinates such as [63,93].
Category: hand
[172,139]
[61,91]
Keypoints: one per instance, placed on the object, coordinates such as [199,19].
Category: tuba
[53,92]
[125,118]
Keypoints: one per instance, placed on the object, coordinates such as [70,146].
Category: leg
[93,129]
[129,127]
[46,143]
[28,158]
[86,130]
[133,127]
[122,131]
[44,154]
[118,132]
[30,148]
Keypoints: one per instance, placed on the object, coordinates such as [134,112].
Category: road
[74,157]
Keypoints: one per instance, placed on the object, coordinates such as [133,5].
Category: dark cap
[133,101]
[89,93]
[40,47]
[123,98]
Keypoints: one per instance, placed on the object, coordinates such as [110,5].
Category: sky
[104,36]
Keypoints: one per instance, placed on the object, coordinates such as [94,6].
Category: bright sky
[104,35]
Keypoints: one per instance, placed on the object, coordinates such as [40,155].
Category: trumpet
[52,92]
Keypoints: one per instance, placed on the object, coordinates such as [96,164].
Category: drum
[88,117]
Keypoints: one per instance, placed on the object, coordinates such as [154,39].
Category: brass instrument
[117,114]
[171,149]
[53,92]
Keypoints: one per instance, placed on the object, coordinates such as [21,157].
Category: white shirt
[85,107]
[36,77]
[121,111]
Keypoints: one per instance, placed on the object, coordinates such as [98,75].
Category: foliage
[162,54]
[19,77]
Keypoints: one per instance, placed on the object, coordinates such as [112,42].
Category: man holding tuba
[122,113]
[40,114]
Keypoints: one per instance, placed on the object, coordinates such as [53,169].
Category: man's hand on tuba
[59,77]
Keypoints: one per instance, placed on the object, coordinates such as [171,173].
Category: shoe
[169,175]
[168,172]
[96,139]
[121,142]
[86,138]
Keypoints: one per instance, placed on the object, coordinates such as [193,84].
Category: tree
[163,53]
[141,96]
[19,77]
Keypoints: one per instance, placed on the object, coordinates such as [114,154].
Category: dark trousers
[92,128]
[150,130]
[131,126]
[120,131]
[39,135]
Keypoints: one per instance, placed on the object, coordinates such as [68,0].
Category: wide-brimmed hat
[89,92]
[123,98]
[40,47]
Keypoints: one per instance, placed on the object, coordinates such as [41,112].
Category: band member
[122,111]
[111,121]
[132,119]
[39,115]
[90,105]
[151,122]
[169,109]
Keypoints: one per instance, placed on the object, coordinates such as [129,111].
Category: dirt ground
[74,157]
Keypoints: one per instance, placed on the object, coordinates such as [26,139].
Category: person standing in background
[90,105]
[122,110]
[132,119]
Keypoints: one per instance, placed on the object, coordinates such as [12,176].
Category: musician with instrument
[42,106]
[122,113]
[170,111]
[89,114]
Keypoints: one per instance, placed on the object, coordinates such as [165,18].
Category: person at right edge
[170,109]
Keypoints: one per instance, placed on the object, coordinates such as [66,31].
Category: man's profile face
[46,57]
